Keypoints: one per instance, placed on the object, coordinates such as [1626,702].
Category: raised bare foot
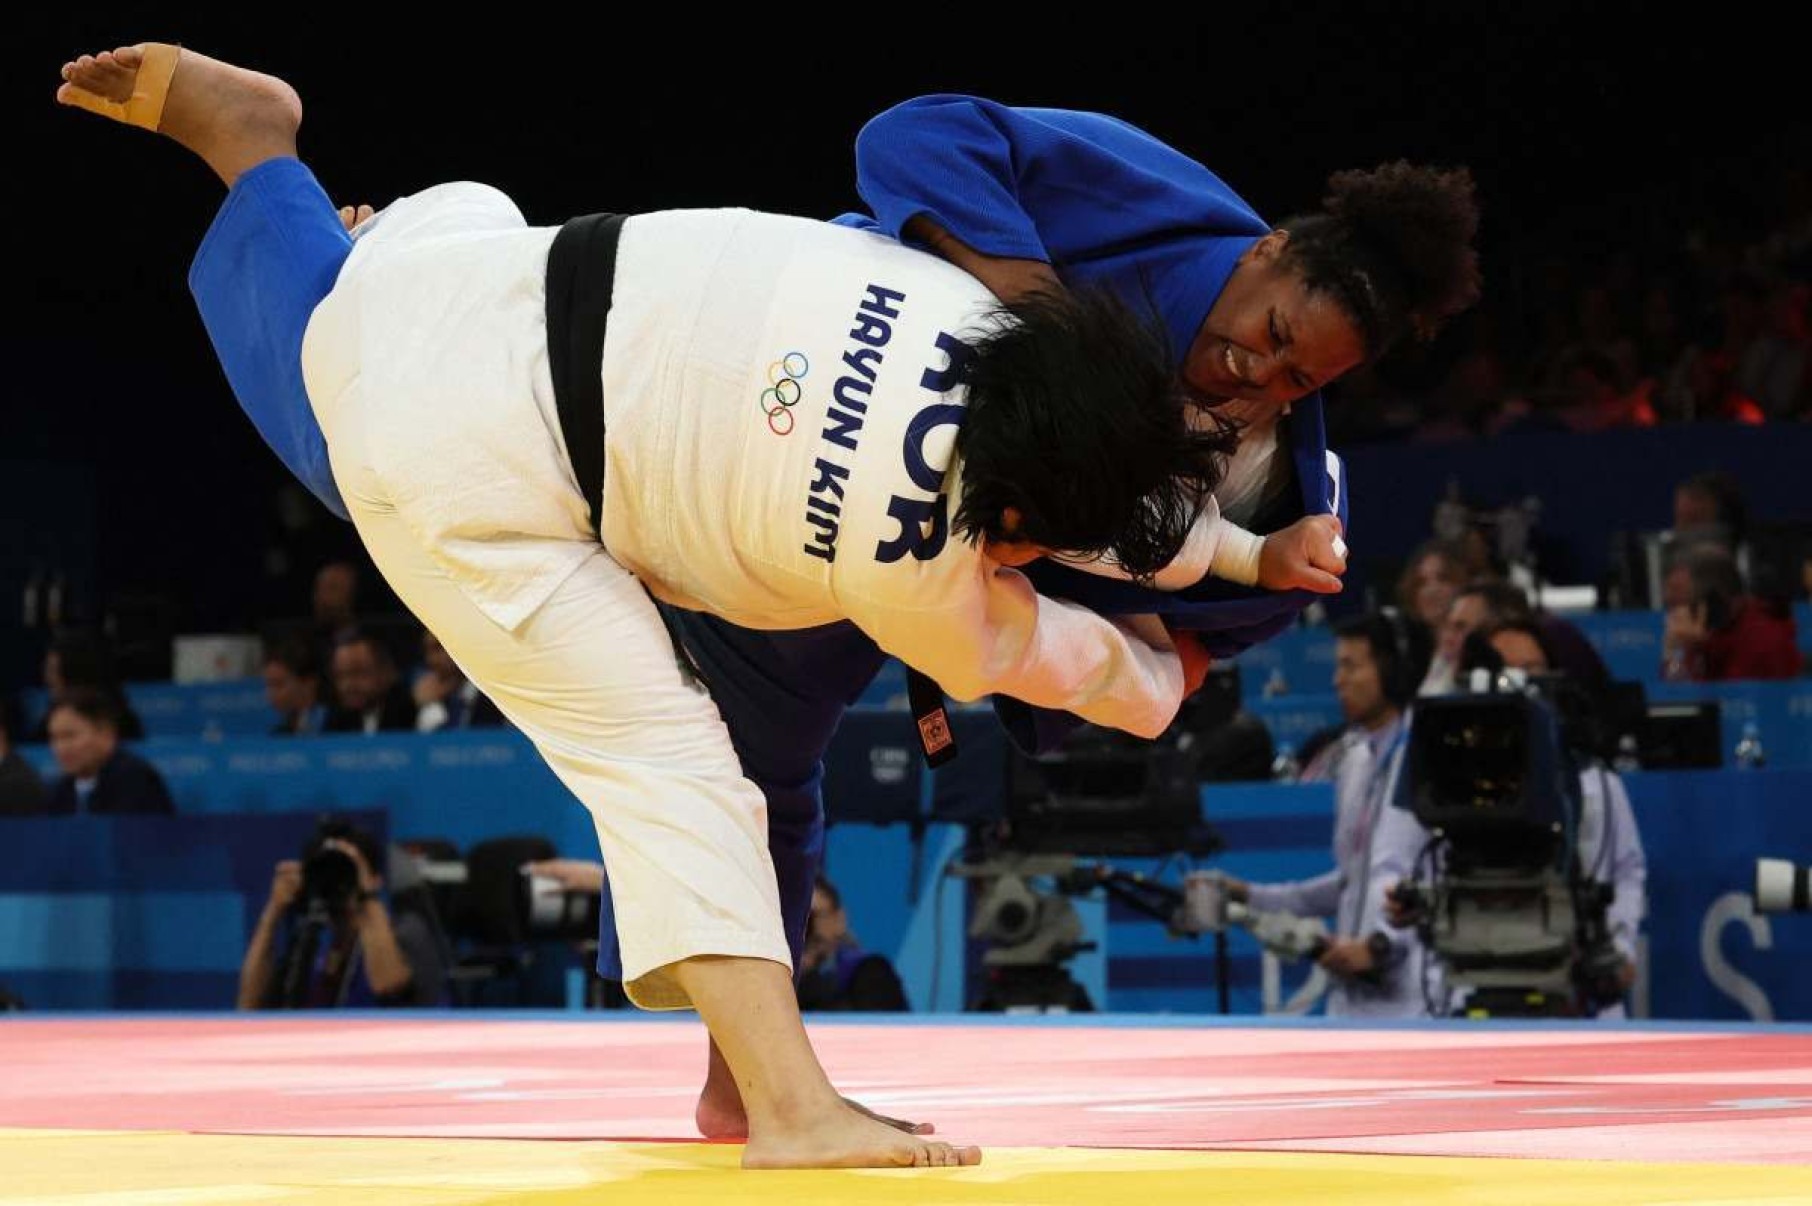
[841,1137]
[233,118]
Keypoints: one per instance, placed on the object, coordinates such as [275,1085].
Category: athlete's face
[1269,337]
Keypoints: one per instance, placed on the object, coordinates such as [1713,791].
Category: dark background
[1591,128]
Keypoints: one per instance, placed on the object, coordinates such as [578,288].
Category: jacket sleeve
[1317,897]
[1042,184]
[1000,636]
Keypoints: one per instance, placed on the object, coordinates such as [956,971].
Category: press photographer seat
[489,925]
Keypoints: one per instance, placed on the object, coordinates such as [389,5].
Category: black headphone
[1402,656]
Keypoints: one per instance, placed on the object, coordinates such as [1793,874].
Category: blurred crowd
[1703,328]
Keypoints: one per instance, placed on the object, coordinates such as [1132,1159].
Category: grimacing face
[1269,337]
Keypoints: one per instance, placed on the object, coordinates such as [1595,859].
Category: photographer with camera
[1378,662]
[1607,850]
[327,937]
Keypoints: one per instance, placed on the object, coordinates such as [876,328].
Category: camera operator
[1379,661]
[327,937]
[1608,846]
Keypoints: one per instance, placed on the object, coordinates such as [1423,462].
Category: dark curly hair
[1393,246]
[1077,421]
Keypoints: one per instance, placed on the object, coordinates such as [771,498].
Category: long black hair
[1077,421]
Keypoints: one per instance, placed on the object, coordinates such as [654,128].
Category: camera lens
[331,877]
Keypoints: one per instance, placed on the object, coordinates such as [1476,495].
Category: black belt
[581,272]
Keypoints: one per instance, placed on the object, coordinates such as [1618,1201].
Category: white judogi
[427,368]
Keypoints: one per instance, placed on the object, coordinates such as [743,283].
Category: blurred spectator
[21,791]
[78,658]
[1472,387]
[1702,385]
[1775,368]
[445,697]
[292,685]
[1590,398]
[371,697]
[1716,631]
[1434,575]
[1660,334]
[1489,604]
[330,940]
[1429,584]
[99,775]
[336,598]
[835,973]
[1709,509]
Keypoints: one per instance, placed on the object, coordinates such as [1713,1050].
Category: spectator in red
[1716,631]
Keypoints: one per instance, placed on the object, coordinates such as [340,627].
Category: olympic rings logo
[784,391]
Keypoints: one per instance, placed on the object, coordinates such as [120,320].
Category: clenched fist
[1308,555]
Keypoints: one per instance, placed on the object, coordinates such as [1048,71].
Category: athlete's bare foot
[840,1137]
[233,118]
[720,1113]
[352,216]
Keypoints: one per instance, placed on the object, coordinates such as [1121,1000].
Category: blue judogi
[1103,202]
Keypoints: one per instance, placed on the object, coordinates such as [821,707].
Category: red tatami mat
[1456,1089]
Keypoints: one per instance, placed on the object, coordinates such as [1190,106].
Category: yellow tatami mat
[93,1168]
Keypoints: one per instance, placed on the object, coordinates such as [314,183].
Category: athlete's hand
[1308,555]
[1006,278]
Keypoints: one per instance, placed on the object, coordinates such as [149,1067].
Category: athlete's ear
[1012,553]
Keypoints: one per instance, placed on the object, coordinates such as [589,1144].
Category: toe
[130,56]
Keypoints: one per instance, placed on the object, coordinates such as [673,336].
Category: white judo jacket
[780,423]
